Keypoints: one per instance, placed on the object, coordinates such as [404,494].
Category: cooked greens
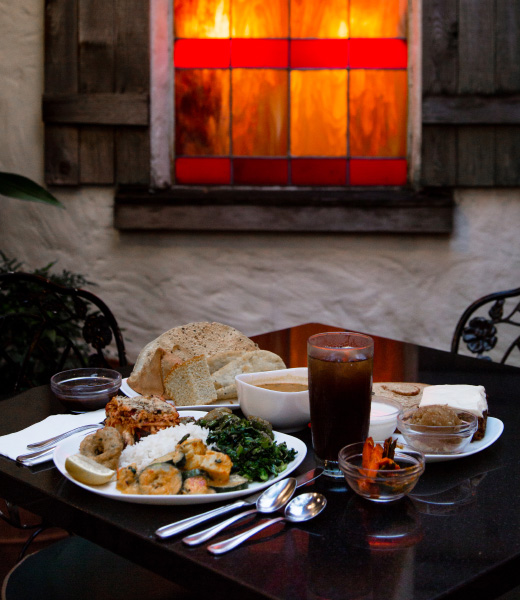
[250,445]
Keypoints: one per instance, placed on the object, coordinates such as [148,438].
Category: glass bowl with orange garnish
[380,472]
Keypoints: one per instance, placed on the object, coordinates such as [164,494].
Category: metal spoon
[301,508]
[270,501]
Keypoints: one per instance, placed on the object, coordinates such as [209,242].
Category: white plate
[233,404]
[494,428]
[71,446]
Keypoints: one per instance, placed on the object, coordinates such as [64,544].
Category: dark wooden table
[457,537]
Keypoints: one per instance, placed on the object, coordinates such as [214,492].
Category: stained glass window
[290,92]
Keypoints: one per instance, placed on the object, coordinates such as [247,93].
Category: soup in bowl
[281,397]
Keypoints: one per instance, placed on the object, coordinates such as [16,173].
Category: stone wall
[411,288]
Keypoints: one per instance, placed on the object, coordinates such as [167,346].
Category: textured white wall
[411,288]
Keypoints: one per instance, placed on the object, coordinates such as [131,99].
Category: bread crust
[408,394]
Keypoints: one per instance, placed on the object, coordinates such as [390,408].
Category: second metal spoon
[302,508]
[270,501]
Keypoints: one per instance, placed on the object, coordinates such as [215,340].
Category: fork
[28,457]
[54,440]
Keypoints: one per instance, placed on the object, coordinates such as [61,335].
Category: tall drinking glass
[340,392]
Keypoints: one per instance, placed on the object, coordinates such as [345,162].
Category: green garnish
[250,445]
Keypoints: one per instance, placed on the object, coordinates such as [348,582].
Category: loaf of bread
[189,383]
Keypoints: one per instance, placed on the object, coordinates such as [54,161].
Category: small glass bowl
[381,485]
[438,439]
[82,390]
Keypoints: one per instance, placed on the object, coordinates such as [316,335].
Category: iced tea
[340,392]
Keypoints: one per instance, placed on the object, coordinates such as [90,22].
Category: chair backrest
[46,328]
[480,325]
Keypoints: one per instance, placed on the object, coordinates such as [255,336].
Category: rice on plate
[153,446]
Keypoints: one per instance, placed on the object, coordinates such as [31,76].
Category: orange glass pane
[260,18]
[378,111]
[319,19]
[319,113]
[378,18]
[201,18]
[202,112]
[259,112]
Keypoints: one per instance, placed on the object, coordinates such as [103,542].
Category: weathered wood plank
[467,110]
[96,74]
[61,69]
[61,75]
[132,75]
[475,152]
[96,109]
[404,214]
[132,46]
[96,45]
[61,155]
[439,156]
[507,69]
[96,155]
[440,46]
[476,156]
[507,156]
[476,46]
[132,156]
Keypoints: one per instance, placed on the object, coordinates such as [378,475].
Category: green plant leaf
[18,186]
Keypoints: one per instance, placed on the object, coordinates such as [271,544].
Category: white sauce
[383,420]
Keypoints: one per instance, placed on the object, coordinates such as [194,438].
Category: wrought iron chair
[48,328]
[479,331]
[52,328]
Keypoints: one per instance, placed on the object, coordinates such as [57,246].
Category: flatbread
[227,393]
[407,394]
[249,362]
[222,359]
[184,342]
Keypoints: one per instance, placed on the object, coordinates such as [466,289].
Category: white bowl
[286,411]
[383,418]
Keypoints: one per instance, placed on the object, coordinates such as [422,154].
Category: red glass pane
[378,18]
[201,18]
[211,171]
[259,113]
[260,18]
[311,171]
[202,112]
[378,172]
[259,53]
[378,54]
[377,113]
[318,113]
[202,53]
[319,19]
[260,171]
[319,53]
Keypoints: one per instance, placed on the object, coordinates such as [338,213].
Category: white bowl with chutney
[281,397]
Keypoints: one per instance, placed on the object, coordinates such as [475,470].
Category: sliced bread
[189,383]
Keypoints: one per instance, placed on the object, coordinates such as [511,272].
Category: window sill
[285,210]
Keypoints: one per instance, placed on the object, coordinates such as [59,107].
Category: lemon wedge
[87,470]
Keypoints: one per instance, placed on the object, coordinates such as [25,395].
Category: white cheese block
[471,398]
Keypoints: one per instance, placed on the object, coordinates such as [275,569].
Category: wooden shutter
[471,93]
[96,101]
